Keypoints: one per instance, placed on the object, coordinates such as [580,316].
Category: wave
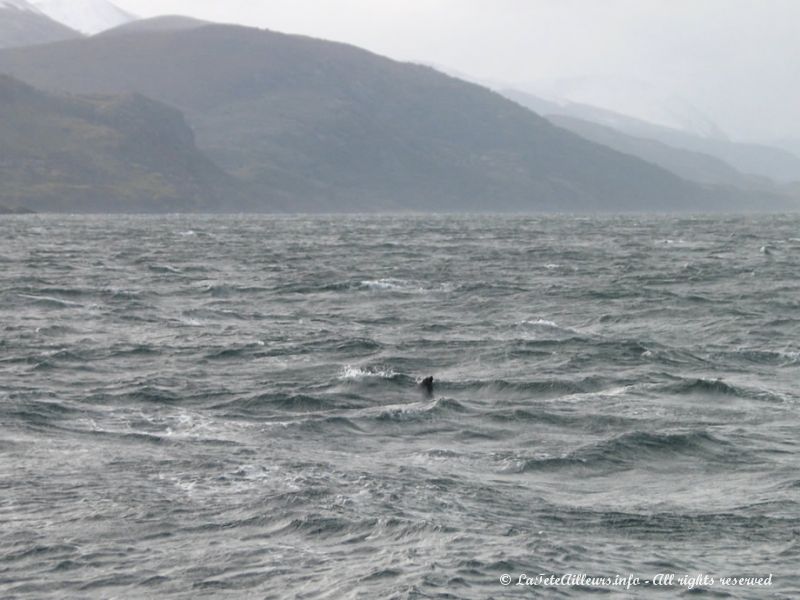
[320,526]
[391,285]
[350,372]
[324,425]
[226,291]
[271,402]
[251,350]
[358,344]
[679,525]
[764,357]
[371,380]
[50,301]
[75,360]
[167,437]
[383,375]
[587,421]
[45,293]
[419,412]
[541,325]
[218,314]
[39,412]
[388,284]
[629,449]
[54,291]
[716,387]
[149,394]
[135,350]
[542,387]
[164,269]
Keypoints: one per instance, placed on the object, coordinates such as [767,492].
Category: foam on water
[391,284]
[357,373]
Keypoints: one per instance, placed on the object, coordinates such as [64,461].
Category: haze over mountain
[639,100]
[326,126]
[102,154]
[752,159]
[699,152]
[22,24]
[694,166]
[730,61]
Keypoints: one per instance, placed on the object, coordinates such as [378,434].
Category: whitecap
[790,357]
[190,322]
[164,269]
[390,284]
[542,323]
[351,372]
[547,325]
[50,300]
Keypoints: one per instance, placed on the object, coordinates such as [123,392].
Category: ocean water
[226,407]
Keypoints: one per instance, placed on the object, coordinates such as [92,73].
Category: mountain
[22,24]
[694,166]
[310,125]
[87,16]
[752,159]
[101,153]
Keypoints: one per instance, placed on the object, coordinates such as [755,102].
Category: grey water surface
[226,407]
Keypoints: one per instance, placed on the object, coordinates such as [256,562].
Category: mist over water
[198,407]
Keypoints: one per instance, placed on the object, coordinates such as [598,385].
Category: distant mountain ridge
[311,125]
[641,100]
[694,166]
[777,164]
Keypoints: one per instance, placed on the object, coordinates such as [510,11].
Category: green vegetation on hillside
[108,154]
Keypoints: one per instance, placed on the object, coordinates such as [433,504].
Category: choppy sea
[227,407]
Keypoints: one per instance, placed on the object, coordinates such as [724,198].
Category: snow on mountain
[19,5]
[636,99]
[22,24]
[87,16]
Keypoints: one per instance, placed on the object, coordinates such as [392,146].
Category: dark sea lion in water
[426,385]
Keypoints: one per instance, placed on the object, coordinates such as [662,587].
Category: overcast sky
[733,62]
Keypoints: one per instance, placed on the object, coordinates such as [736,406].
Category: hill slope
[330,127]
[107,154]
[21,24]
